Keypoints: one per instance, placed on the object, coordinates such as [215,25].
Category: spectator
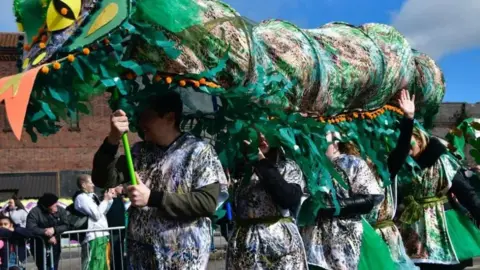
[47,222]
[16,211]
[95,244]
[13,252]
[116,218]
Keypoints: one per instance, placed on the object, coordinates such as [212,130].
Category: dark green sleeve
[109,170]
[201,202]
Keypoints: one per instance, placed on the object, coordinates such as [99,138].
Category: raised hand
[407,104]
[118,126]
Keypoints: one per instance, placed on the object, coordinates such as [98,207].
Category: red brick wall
[65,150]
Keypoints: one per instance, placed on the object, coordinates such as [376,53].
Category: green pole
[126,146]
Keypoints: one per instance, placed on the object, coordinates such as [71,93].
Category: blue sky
[446,30]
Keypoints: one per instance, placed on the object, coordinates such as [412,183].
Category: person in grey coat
[16,211]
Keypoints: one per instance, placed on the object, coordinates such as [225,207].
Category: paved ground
[476,263]
[74,264]
[71,258]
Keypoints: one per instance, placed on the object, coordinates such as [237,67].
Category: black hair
[167,103]
[17,202]
[2,216]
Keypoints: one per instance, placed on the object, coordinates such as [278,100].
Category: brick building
[51,163]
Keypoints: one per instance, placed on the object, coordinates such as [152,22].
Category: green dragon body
[292,84]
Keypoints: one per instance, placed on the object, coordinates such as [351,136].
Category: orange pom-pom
[71,58]
[26,47]
[57,65]
[86,51]
[182,83]
[130,76]
[195,83]
[45,70]
[44,38]
[168,80]
[64,11]
[42,45]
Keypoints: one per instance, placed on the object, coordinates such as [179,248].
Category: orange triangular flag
[15,90]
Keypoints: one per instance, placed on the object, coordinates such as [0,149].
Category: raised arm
[399,155]
[109,171]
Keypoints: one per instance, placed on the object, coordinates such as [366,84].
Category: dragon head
[57,28]
[78,48]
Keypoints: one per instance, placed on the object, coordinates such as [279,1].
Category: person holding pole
[180,184]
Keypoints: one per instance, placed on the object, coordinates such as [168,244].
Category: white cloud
[440,27]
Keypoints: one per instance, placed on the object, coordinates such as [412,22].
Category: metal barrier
[22,253]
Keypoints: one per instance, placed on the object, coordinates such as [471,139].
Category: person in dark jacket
[14,252]
[47,222]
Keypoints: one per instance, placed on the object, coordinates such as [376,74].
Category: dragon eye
[64,10]
[62,14]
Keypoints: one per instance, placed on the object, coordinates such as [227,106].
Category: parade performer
[265,203]
[334,243]
[180,179]
[382,217]
[435,238]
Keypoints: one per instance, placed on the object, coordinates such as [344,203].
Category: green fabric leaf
[121,87]
[131,65]
[55,95]
[83,108]
[38,115]
[104,72]
[108,82]
[46,109]
[78,69]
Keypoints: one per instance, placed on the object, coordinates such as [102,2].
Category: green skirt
[374,252]
[464,235]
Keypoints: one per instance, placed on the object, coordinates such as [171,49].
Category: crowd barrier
[22,254]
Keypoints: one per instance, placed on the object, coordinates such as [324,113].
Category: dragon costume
[236,77]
